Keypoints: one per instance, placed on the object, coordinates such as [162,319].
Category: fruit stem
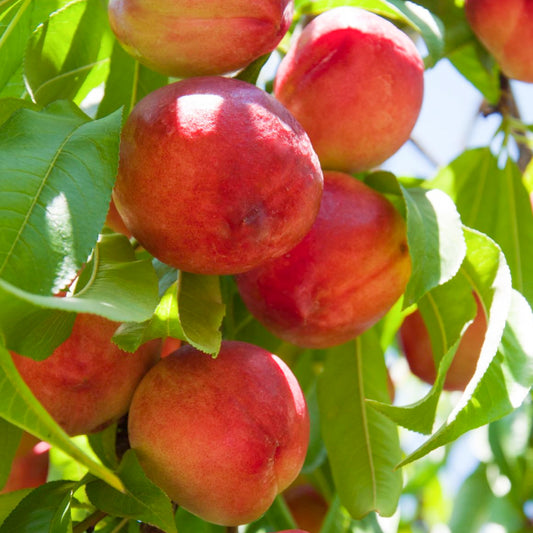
[89,522]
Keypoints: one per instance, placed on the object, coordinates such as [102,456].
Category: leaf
[46,508]
[494,201]
[68,54]
[446,310]
[362,444]
[435,239]
[24,411]
[339,521]
[57,171]
[15,28]
[191,309]
[417,17]
[144,501]
[9,105]
[120,288]
[502,380]
[9,440]
[188,523]
[127,83]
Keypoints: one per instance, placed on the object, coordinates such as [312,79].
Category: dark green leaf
[57,169]
[47,508]
[9,441]
[144,501]
[362,444]
[188,523]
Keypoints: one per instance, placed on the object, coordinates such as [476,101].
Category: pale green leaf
[362,444]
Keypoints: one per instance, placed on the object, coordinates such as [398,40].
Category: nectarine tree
[228,178]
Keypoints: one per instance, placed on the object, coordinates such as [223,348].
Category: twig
[89,522]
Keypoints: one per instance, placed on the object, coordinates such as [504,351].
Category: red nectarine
[506,30]
[88,382]
[222,437]
[197,38]
[355,83]
[216,176]
[342,277]
[307,506]
[416,345]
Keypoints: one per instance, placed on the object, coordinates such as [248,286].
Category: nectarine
[30,464]
[355,83]
[416,345]
[506,30]
[88,382]
[307,506]
[216,176]
[342,277]
[222,437]
[183,38]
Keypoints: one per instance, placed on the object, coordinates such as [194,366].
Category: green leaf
[339,521]
[15,28]
[57,169]
[417,17]
[9,501]
[446,310]
[191,309]
[103,443]
[435,238]
[119,287]
[188,523]
[46,508]
[9,441]
[68,54]
[494,201]
[9,105]
[128,81]
[362,444]
[144,501]
[24,411]
[502,380]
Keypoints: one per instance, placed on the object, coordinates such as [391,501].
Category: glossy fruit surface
[342,277]
[88,382]
[355,83]
[181,38]
[216,176]
[222,437]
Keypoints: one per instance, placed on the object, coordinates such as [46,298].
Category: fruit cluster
[258,186]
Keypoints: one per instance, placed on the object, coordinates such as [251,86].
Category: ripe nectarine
[183,39]
[416,345]
[307,506]
[355,83]
[88,382]
[342,277]
[506,30]
[30,464]
[216,176]
[222,437]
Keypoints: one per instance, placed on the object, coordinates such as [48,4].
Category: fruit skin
[114,221]
[30,465]
[88,382]
[222,437]
[355,83]
[342,277]
[216,176]
[506,29]
[307,506]
[416,345]
[204,37]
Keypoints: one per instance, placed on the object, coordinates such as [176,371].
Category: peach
[307,506]
[114,221]
[216,176]
[30,464]
[88,382]
[416,345]
[505,28]
[222,437]
[204,37]
[342,277]
[355,83]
